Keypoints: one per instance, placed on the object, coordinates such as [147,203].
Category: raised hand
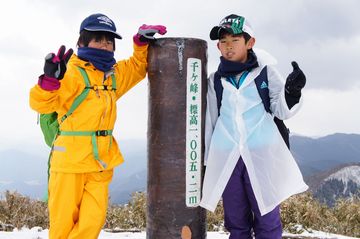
[146,33]
[295,81]
[55,65]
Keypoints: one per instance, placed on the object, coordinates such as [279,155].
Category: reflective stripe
[58,148]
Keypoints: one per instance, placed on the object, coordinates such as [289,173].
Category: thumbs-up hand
[295,81]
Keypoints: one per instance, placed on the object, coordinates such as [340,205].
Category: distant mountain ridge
[318,158]
[316,155]
[330,165]
[26,171]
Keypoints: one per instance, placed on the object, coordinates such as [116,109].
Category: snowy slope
[37,233]
[346,174]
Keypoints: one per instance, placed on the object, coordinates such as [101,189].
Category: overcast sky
[323,36]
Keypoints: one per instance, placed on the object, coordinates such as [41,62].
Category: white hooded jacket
[245,129]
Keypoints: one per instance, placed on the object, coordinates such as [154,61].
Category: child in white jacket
[247,161]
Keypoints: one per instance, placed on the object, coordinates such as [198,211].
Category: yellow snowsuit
[78,184]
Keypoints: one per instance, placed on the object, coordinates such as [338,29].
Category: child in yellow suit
[84,151]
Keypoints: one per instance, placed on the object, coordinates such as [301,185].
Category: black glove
[295,81]
[55,65]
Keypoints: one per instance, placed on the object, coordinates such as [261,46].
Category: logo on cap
[105,20]
[236,24]
[235,21]
[233,24]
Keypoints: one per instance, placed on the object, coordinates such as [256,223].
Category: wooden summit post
[177,94]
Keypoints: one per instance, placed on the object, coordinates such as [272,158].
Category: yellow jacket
[74,154]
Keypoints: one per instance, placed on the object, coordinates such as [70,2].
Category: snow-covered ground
[37,233]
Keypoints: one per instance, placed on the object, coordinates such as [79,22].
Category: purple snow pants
[241,212]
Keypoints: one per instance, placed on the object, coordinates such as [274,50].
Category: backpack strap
[262,85]
[218,90]
[113,81]
[104,87]
[93,135]
[78,100]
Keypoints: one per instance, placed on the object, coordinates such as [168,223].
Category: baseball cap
[233,24]
[99,23]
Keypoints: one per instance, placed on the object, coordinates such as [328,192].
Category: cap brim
[116,35]
[216,32]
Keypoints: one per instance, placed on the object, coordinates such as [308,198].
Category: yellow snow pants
[77,204]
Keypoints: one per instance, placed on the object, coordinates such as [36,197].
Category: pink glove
[146,34]
[48,83]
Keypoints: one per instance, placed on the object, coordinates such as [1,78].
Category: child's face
[234,48]
[103,44]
